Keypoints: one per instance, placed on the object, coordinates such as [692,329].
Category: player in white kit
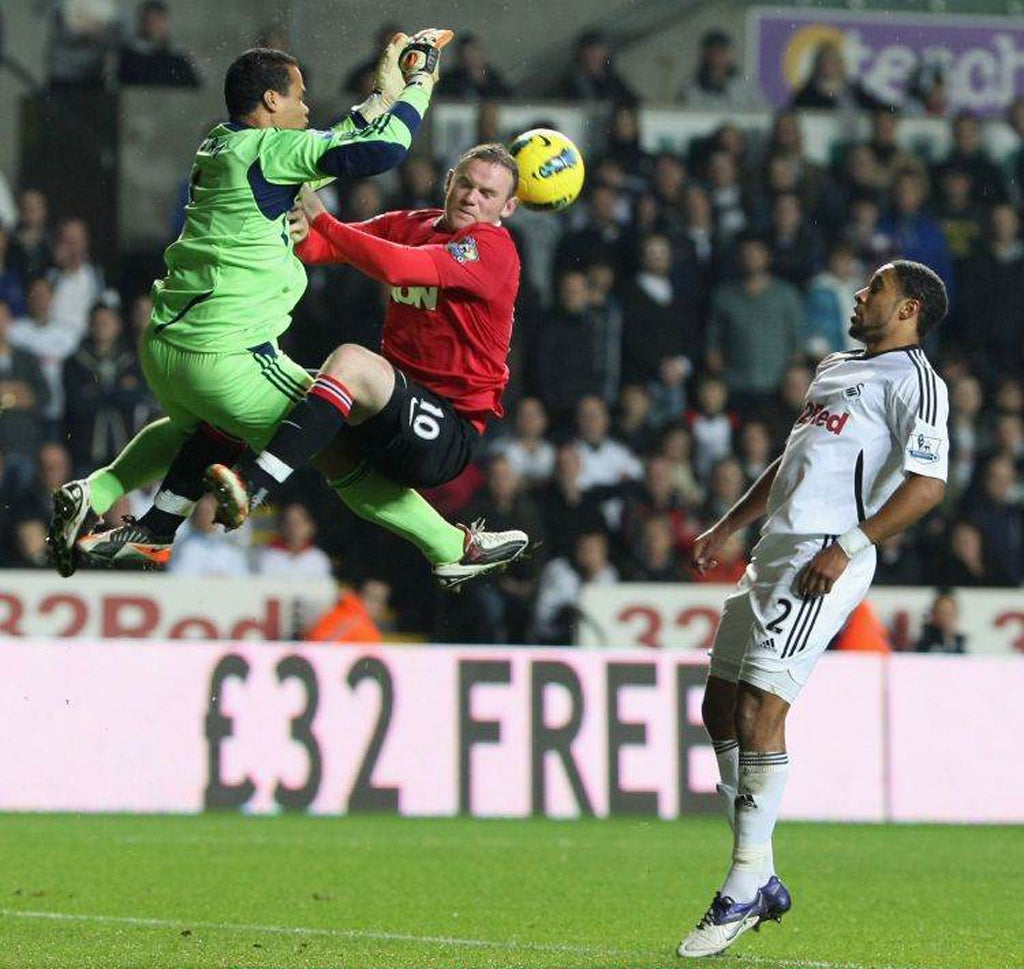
[866,458]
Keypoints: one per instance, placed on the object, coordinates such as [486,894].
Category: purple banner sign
[981,59]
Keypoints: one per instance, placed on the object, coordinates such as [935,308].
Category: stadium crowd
[667,329]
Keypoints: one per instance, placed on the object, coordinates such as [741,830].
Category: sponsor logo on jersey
[818,415]
[924,448]
[464,250]
[422,297]
[766,644]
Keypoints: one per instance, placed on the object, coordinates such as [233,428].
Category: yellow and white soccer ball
[550,169]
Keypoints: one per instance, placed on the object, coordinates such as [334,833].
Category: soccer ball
[550,169]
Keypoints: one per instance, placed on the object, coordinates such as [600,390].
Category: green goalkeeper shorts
[244,393]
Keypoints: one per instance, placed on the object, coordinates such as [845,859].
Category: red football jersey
[453,339]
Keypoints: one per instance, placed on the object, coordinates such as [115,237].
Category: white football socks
[727,752]
[762,780]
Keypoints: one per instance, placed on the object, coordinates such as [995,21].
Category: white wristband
[852,541]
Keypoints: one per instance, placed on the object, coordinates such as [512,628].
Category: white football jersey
[866,422]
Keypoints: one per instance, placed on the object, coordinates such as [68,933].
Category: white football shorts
[770,637]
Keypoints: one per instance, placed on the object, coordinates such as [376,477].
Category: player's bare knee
[760,719]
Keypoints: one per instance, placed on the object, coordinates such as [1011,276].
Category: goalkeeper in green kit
[210,352]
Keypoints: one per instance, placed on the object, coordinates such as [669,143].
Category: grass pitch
[359,892]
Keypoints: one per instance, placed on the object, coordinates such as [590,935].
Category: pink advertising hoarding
[180,727]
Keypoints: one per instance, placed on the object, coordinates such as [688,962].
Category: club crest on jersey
[464,250]
[853,392]
[923,448]
[817,415]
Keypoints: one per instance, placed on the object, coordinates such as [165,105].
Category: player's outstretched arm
[746,511]
[387,262]
[356,146]
[908,504]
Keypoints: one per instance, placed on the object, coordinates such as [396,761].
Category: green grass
[397,893]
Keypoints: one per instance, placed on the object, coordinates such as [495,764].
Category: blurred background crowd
[667,328]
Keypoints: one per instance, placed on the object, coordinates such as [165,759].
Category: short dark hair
[251,75]
[495,154]
[917,281]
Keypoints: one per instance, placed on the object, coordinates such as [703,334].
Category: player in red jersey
[410,416]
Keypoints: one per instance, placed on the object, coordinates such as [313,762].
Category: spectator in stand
[578,352]
[601,236]
[34,497]
[789,401]
[754,330]
[205,550]
[557,615]
[829,301]
[419,185]
[828,88]
[294,553]
[961,217]
[23,399]
[51,346]
[359,81]
[32,249]
[798,251]
[965,403]
[913,233]
[567,511]
[659,326]
[625,149]
[77,283]
[890,156]
[859,177]
[655,558]
[786,145]
[635,419]
[871,246]
[677,448]
[30,549]
[726,486]
[657,496]
[756,449]
[718,83]
[150,57]
[965,562]
[899,561]
[711,425]
[358,616]
[1008,442]
[500,611]
[999,517]
[993,294]
[12,284]
[941,633]
[606,462]
[969,154]
[1009,396]
[8,207]
[728,204]
[530,455]
[669,184]
[592,76]
[103,388]
[472,77]
[928,92]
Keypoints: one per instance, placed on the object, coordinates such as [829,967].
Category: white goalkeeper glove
[388,80]
[421,57]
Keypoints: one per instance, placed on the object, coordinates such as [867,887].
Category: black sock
[183,484]
[309,428]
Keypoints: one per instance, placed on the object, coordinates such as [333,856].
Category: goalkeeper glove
[388,80]
[421,56]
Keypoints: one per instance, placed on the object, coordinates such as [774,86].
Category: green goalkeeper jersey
[232,278]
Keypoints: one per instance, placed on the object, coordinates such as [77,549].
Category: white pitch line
[379,936]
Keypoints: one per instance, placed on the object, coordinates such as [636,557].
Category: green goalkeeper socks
[400,510]
[145,459]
